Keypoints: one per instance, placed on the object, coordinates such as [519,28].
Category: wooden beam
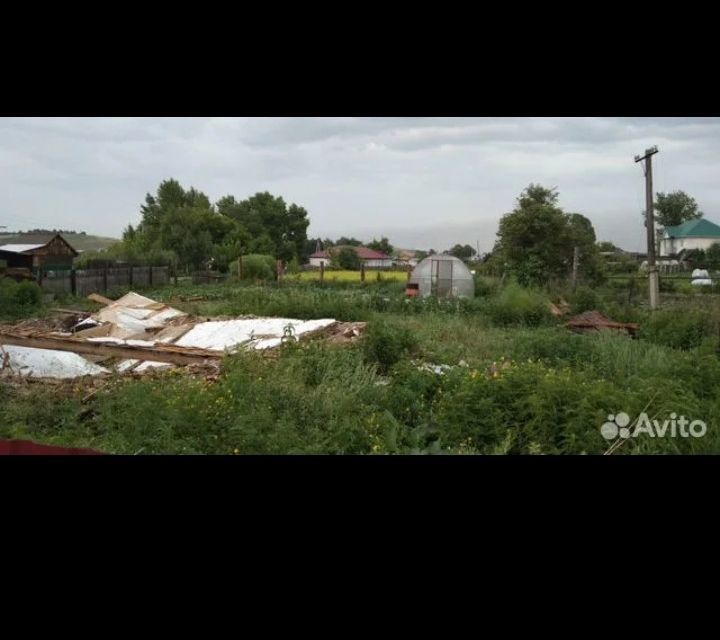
[156,353]
[95,297]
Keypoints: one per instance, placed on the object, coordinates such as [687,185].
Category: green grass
[349,276]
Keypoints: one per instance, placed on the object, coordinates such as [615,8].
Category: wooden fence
[83,282]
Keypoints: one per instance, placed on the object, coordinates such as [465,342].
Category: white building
[693,234]
[370,258]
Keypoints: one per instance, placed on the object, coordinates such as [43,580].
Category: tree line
[537,240]
[183,228]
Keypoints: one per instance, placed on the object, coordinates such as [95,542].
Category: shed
[14,260]
[54,255]
[443,276]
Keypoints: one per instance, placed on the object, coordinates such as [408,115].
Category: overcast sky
[422,182]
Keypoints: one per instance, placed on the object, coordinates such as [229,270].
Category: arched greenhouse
[442,276]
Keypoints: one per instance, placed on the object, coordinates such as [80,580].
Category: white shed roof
[20,248]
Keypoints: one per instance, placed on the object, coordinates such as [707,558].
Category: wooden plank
[156,353]
[96,297]
[75,312]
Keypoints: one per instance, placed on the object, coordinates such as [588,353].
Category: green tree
[536,240]
[185,231]
[464,252]
[183,224]
[347,258]
[532,239]
[383,245]
[351,242]
[672,209]
[581,234]
[268,217]
[607,247]
[712,256]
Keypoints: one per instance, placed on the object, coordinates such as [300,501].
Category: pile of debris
[137,334]
[596,321]
[560,309]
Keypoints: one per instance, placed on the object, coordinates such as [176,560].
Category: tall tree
[674,208]
[352,242]
[537,239]
[275,227]
[464,252]
[185,224]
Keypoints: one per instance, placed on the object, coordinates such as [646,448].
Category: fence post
[576,262]
[40,277]
[105,287]
[174,271]
[322,271]
[130,276]
[150,276]
[73,281]
[362,272]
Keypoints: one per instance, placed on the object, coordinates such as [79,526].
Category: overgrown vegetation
[515,381]
[18,299]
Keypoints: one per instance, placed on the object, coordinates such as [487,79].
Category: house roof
[20,248]
[25,248]
[363,253]
[697,228]
[369,254]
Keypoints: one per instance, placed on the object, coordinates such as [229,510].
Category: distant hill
[80,241]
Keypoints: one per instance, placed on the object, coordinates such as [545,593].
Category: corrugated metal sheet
[20,248]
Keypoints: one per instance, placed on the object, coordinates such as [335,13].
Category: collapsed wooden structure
[137,334]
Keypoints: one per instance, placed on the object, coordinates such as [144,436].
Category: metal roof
[697,228]
[20,248]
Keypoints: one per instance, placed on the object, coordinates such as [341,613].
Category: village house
[405,258]
[693,234]
[54,254]
[371,259]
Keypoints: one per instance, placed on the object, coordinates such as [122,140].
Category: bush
[256,266]
[348,259]
[528,408]
[584,299]
[486,286]
[677,328]
[16,299]
[516,305]
[28,294]
[385,344]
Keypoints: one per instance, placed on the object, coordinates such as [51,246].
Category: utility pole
[650,226]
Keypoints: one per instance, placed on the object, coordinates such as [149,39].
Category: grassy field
[349,276]
[497,374]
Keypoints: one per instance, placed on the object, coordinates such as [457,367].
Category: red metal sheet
[29,448]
